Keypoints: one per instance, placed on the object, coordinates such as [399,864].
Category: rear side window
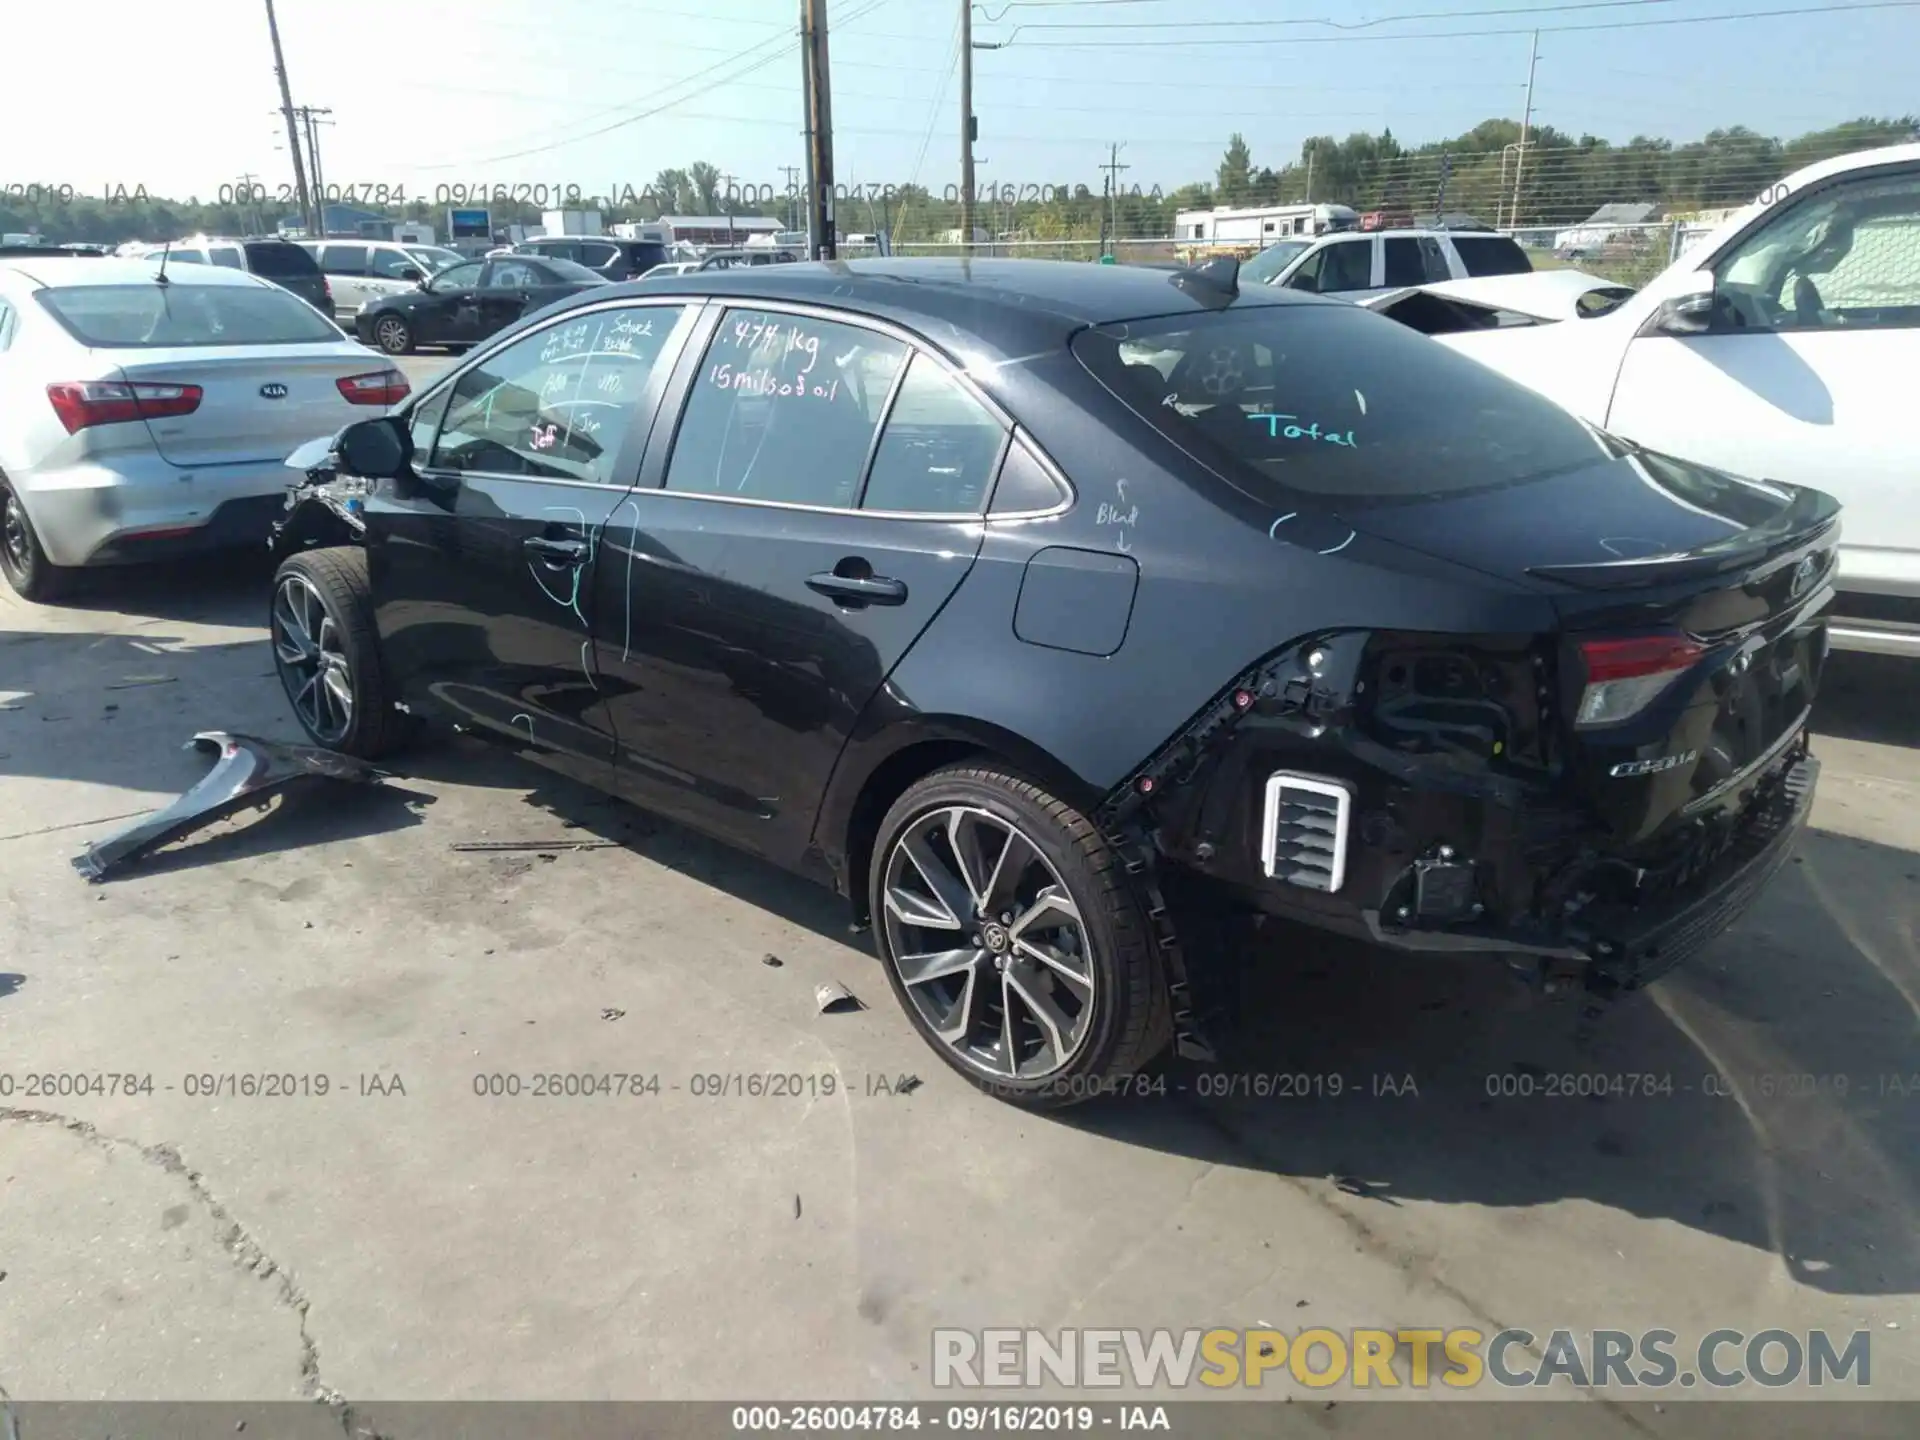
[595,255]
[784,408]
[1492,255]
[147,316]
[1405,264]
[937,454]
[229,256]
[280,259]
[557,403]
[1293,401]
[344,259]
[387,264]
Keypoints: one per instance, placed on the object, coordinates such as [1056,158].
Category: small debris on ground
[611,1014]
[135,682]
[835,999]
[796,1207]
[907,1086]
[774,960]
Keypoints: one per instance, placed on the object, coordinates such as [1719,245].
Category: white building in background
[1261,224]
[716,229]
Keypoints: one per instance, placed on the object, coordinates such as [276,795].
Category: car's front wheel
[327,653]
[22,559]
[393,335]
[1013,938]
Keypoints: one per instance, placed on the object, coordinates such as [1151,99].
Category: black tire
[337,578]
[1127,1020]
[392,335]
[22,558]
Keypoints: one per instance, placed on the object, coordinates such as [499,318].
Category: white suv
[1353,265]
[363,270]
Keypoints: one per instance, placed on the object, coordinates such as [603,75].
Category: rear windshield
[1331,400]
[1492,255]
[151,316]
[569,271]
[280,259]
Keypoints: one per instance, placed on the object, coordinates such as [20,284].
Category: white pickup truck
[1783,346]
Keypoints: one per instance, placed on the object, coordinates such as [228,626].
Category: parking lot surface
[413,1234]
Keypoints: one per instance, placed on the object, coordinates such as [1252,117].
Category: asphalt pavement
[418,1231]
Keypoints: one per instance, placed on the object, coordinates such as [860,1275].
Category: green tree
[1236,172]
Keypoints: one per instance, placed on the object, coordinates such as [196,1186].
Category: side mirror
[1689,313]
[377,449]
[409,273]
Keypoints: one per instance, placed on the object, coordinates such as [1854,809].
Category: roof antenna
[161,278]
[1218,279]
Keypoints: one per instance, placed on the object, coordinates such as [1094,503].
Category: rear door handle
[558,552]
[874,589]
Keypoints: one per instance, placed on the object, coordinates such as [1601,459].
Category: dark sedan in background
[1040,608]
[465,303]
[606,255]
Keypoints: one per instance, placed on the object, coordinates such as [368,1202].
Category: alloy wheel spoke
[949,890]
[964,1018]
[936,965]
[1015,859]
[341,694]
[1051,908]
[1058,1027]
[1009,1052]
[307,702]
[965,839]
[912,908]
[1059,962]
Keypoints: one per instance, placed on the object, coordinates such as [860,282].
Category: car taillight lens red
[80,403]
[1625,676]
[381,387]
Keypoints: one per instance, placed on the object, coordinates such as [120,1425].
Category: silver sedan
[145,415]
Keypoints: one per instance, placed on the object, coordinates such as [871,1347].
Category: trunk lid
[257,403]
[1692,632]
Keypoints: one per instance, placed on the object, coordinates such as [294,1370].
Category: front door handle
[872,589]
[558,552]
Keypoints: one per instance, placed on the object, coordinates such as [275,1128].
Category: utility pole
[1113,167]
[1309,172]
[969,127]
[1526,124]
[821,237]
[307,114]
[293,130]
[250,206]
[726,202]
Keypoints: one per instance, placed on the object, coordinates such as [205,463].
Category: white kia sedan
[145,414]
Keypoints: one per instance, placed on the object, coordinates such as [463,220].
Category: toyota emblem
[273,390]
[1802,577]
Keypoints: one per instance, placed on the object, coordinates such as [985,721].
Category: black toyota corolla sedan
[1033,605]
[464,304]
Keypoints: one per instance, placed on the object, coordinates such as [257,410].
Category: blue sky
[425,92]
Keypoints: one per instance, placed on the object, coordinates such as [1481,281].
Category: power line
[1333,24]
[785,44]
[1468,34]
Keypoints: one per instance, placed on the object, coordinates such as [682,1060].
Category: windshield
[151,316]
[1262,268]
[1286,401]
[432,258]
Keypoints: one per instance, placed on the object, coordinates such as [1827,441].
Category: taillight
[80,403]
[1626,676]
[380,387]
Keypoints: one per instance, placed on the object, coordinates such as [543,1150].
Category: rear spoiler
[1810,520]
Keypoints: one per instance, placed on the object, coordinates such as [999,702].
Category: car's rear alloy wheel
[22,560]
[392,335]
[1013,939]
[327,654]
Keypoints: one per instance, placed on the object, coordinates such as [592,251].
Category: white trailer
[1262,224]
[570,222]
